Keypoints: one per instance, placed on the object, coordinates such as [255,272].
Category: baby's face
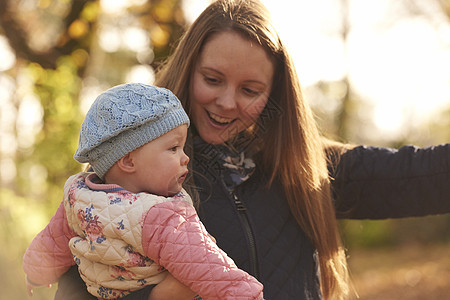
[162,163]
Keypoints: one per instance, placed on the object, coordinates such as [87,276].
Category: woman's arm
[378,183]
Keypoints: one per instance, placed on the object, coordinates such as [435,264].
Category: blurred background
[375,72]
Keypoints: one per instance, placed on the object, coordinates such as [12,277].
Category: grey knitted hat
[123,119]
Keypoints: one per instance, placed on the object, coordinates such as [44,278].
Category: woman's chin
[214,136]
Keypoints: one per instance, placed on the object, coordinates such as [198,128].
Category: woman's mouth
[216,119]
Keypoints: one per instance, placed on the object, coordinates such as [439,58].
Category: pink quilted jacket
[172,236]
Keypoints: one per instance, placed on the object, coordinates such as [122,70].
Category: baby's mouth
[219,120]
[183,177]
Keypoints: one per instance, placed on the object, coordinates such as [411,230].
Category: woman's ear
[127,163]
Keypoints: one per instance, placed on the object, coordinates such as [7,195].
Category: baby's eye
[174,149]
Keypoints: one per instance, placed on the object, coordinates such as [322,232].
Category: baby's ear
[126,163]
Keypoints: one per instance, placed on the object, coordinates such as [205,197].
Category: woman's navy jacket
[255,226]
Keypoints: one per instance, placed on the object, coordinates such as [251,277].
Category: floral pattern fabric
[108,246]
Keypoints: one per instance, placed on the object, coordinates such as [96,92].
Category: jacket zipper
[242,210]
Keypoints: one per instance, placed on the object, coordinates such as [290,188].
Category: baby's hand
[30,289]
[31,286]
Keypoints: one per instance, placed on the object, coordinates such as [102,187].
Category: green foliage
[357,233]
[395,232]
[58,91]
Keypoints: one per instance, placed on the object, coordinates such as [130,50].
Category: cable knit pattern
[124,118]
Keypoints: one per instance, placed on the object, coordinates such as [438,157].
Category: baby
[129,223]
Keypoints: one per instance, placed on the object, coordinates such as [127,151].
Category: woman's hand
[171,289]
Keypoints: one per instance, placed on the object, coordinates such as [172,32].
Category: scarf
[226,160]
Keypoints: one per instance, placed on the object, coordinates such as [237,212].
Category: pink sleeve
[49,256]
[174,237]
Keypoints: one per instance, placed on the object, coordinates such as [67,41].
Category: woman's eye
[251,92]
[211,80]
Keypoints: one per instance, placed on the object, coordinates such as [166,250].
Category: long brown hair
[295,154]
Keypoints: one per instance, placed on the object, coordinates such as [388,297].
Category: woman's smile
[216,119]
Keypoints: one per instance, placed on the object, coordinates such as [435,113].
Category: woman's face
[231,84]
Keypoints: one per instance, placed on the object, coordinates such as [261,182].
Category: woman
[262,169]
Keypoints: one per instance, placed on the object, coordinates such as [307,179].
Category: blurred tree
[61,51]
[437,13]
[337,105]
[55,64]
[73,34]
[166,24]
[57,43]
[343,115]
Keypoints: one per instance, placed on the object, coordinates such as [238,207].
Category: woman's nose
[227,99]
